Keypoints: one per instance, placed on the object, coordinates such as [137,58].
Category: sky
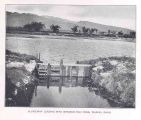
[121,16]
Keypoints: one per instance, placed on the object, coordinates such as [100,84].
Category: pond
[70,92]
[52,49]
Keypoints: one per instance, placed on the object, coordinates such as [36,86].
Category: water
[69,49]
[67,92]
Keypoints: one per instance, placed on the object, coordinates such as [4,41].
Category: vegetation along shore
[114,78]
[20,79]
[47,25]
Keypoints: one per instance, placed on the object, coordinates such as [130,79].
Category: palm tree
[132,34]
[55,28]
[85,30]
[120,33]
[109,32]
[75,29]
[96,30]
[91,31]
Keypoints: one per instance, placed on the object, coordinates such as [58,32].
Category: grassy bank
[70,36]
[20,83]
[115,78]
[20,86]
[17,57]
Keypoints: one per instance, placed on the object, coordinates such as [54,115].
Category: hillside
[19,19]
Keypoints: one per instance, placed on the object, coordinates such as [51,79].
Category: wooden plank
[63,69]
[81,65]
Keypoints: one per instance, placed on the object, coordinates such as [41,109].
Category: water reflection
[68,91]
[70,81]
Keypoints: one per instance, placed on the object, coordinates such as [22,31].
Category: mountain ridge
[15,19]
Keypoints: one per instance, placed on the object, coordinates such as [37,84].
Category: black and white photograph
[70,56]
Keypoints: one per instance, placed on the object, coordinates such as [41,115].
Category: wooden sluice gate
[64,70]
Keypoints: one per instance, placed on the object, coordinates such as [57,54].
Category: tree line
[39,26]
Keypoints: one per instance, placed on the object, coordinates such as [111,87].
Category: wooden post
[39,56]
[68,71]
[64,70]
[61,75]
[71,73]
[49,69]
[60,84]
[77,70]
[35,90]
[48,75]
[61,67]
